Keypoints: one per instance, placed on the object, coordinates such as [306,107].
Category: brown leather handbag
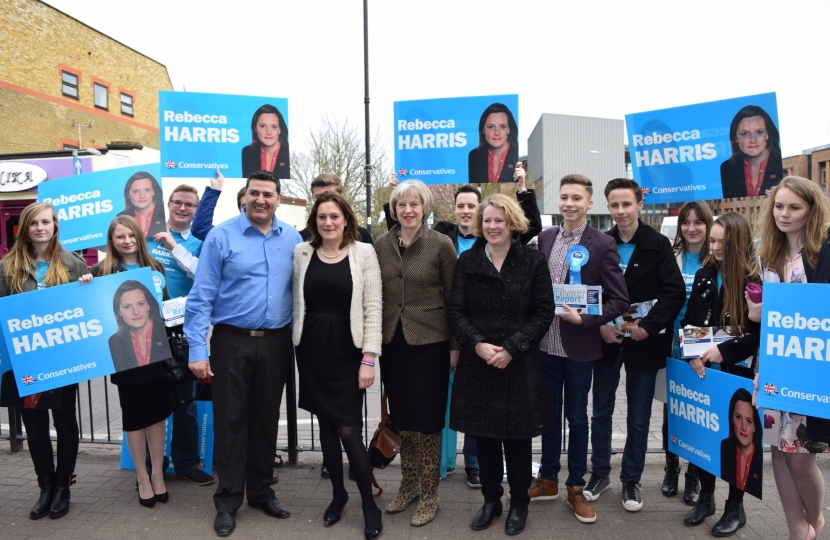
[385,445]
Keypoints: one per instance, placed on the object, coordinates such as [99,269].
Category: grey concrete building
[562,144]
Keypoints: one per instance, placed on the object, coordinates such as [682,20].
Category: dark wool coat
[512,309]
[652,273]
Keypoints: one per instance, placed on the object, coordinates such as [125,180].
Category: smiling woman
[755,165]
[143,201]
[268,150]
[495,157]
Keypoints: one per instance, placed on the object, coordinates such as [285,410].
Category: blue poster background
[87,203]
[85,310]
[696,173]
[795,348]
[446,163]
[5,362]
[204,415]
[698,439]
[196,157]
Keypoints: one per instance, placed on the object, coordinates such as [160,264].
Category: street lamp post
[368,166]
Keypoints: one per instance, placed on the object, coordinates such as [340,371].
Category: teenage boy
[178,250]
[573,343]
[467,199]
[331,182]
[651,273]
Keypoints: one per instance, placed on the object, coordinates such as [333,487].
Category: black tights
[331,436]
[707,485]
[66,426]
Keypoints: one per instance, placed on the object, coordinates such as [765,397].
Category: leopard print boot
[410,471]
[430,464]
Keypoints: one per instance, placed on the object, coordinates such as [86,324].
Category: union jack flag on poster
[170,164]
[674,439]
[402,171]
[770,388]
[28,379]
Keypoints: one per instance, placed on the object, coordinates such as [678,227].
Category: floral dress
[788,431]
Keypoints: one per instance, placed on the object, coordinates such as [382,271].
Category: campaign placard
[87,203]
[204,416]
[239,135]
[452,140]
[794,364]
[72,333]
[713,424]
[697,152]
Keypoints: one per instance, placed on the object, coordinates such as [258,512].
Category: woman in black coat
[717,299]
[500,307]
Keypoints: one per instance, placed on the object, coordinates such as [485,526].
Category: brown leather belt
[252,333]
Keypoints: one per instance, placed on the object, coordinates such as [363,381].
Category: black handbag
[175,369]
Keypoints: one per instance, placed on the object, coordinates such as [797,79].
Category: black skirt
[143,405]
[416,380]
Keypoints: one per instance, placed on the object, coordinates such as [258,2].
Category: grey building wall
[562,144]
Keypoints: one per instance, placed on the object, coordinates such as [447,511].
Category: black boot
[704,508]
[41,507]
[733,518]
[516,519]
[692,488]
[485,516]
[672,469]
[60,496]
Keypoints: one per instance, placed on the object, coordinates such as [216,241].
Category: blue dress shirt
[243,279]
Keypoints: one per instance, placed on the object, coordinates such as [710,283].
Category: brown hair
[187,189]
[739,267]
[624,183]
[20,261]
[239,196]
[328,180]
[113,259]
[579,180]
[350,233]
[513,215]
[773,247]
[703,213]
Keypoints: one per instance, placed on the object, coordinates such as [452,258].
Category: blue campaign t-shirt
[691,264]
[178,284]
[42,267]
[625,250]
[129,267]
[464,244]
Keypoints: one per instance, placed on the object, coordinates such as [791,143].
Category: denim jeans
[639,391]
[573,380]
[470,452]
[184,448]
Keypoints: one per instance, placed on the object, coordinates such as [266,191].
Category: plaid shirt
[558,267]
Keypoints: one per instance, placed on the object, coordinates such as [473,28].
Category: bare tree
[336,146]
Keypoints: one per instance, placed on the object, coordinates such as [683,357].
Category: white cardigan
[365,313]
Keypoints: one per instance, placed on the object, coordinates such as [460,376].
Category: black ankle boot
[60,496]
[691,491]
[485,516]
[41,507]
[704,508]
[671,477]
[733,518]
[516,519]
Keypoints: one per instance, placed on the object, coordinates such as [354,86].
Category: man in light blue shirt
[243,288]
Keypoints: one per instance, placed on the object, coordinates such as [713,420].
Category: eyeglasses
[189,206]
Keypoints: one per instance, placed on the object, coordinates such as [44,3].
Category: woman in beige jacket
[337,334]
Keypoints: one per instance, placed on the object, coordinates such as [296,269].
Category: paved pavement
[105,506]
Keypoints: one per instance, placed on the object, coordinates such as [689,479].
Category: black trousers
[518,455]
[66,426]
[249,376]
[707,485]
[666,432]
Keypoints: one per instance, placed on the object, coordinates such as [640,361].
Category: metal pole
[368,167]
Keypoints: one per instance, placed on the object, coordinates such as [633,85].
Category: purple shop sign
[55,168]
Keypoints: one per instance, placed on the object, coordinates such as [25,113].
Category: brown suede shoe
[583,510]
[542,489]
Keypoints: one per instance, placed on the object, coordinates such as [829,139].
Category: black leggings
[670,455]
[331,435]
[66,426]
[518,456]
[707,485]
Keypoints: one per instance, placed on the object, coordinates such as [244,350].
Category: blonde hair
[773,247]
[113,259]
[513,215]
[410,188]
[20,261]
[739,267]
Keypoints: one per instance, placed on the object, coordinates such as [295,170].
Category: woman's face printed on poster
[142,193]
[134,309]
[752,136]
[496,130]
[743,423]
[268,129]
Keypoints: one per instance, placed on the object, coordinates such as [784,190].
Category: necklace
[330,256]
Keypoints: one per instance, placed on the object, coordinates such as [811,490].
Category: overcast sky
[602,58]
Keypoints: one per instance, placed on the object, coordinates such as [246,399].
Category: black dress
[327,359]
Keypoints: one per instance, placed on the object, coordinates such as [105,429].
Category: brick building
[55,69]
[812,163]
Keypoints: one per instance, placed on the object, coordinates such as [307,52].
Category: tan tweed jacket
[416,286]
[365,309]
